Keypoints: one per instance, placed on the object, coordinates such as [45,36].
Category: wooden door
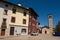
[11,30]
[2,32]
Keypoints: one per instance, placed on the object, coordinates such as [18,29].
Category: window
[14,11]
[24,13]
[6,5]
[13,19]
[5,12]
[24,21]
[4,21]
[23,30]
[50,16]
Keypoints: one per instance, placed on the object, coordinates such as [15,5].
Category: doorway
[2,32]
[11,30]
[45,32]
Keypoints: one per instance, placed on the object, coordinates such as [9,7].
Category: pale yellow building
[13,19]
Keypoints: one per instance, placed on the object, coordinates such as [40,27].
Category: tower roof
[49,14]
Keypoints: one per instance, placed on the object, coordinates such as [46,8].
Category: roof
[31,9]
[13,4]
[49,14]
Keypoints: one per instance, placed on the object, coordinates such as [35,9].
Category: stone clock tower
[50,24]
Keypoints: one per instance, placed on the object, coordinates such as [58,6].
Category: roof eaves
[33,11]
[14,4]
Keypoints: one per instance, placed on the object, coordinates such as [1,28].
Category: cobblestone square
[27,37]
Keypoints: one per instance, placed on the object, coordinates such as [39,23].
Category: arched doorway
[45,32]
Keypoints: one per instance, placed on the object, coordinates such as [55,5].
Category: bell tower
[50,24]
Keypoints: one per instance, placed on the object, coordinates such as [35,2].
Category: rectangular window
[24,21]
[24,13]
[6,5]
[23,30]
[13,19]
[4,21]
[5,12]
[14,11]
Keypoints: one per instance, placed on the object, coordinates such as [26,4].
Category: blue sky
[43,8]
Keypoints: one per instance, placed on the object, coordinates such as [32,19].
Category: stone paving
[27,37]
